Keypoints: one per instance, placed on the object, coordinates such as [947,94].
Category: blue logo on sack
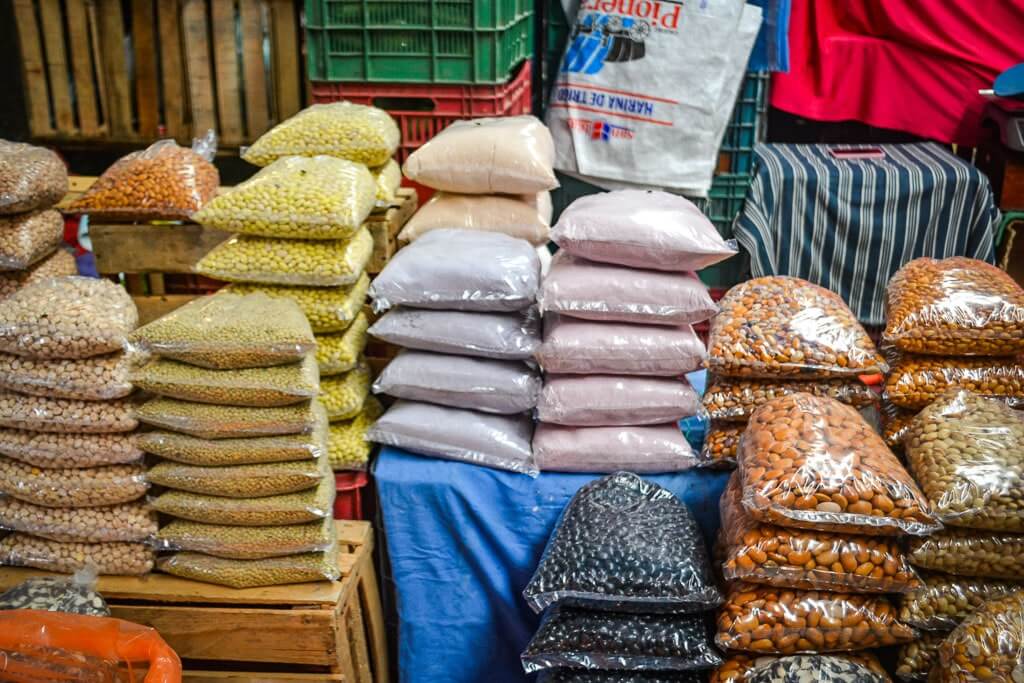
[600,38]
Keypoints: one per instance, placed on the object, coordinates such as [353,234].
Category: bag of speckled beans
[943,601]
[735,399]
[162,182]
[319,198]
[781,326]
[917,380]
[720,444]
[30,178]
[348,449]
[29,237]
[970,552]
[23,550]
[988,645]
[328,309]
[955,306]
[366,135]
[811,462]
[861,667]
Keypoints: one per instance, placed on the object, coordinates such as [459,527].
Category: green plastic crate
[418,41]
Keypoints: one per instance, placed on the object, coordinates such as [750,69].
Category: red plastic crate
[348,504]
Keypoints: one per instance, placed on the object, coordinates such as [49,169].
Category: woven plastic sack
[501,441]
[341,129]
[969,552]
[988,645]
[645,449]
[601,291]
[328,309]
[838,668]
[583,676]
[30,178]
[608,400]
[967,453]
[98,378]
[76,595]
[162,182]
[348,449]
[916,660]
[721,444]
[387,178]
[338,353]
[129,522]
[22,550]
[486,213]
[490,386]
[49,450]
[916,381]
[585,347]
[641,229]
[66,415]
[271,571]
[316,263]
[290,508]
[247,542]
[72,487]
[954,306]
[66,317]
[808,560]
[319,198]
[460,270]
[343,396]
[504,336]
[240,481]
[943,601]
[208,421]
[507,155]
[624,544]
[612,641]
[784,326]
[736,399]
[28,238]
[767,620]
[59,264]
[811,462]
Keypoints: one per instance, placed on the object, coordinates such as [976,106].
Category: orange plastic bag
[55,646]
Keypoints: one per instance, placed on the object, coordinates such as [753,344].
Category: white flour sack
[646,88]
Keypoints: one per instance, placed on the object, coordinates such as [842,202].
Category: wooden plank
[57,65]
[172,68]
[385,225]
[152,307]
[191,676]
[376,630]
[226,64]
[147,99]
[127,248]
[97,60]
[81,67]
[354,533]
[285,56]
[356,640]
[197,65]
[32,68]
[257,115]
[111,37]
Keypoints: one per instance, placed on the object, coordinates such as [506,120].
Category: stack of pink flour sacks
[619,303]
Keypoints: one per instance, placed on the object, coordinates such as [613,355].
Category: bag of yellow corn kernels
[320,198]
[328,309]
[343,396]
[337,353]
[347,447]
[388,177]
[339,129]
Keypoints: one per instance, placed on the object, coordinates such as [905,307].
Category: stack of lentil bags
[242,438]
[72,474]
[32,181]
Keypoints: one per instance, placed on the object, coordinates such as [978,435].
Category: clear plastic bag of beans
[270,571]
[387,178]
[808,560]
[721,443]
[916,381]
[838,668]
[278,385]
[22,550]
[59,264]
[783,326]
[66,415]
[954,306]
[347,446]
[290,508]
[610,641]
[916,660]
[240,481]
[27,238]
[67,317]
[625,544]
[99,378]
[343,396]
[320,198]
[988,645]
[267,260]
[30,177]
[967,453]
[208,421]
[52,449]
[338,353]
[76,595]
[72,487]
[943,601]
[229,331]
[356,132]
[895,422]
[736,399]
[970,552]
[814,463]
[584,676]
[766,620]
[328,309]
[247,542]
[124,522]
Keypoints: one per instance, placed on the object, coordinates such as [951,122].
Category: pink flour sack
[600,291]
[607,400]
[645,450]
[642,229]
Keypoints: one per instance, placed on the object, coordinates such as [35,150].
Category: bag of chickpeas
[66,415]
[28,238]
[72,486]
[30,178]
[59,264]
[329,309]
[861,667]
[731,398]
[100,378]
[811,462]
[131,522]
[22,550]
[49,450]
[988,645]
[942,601]
[970,552]
[916,381]
[954,306]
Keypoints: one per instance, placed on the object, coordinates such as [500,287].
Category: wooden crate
[385,226]
[234,66]
[312,632]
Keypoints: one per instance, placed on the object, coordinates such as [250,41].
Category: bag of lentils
[240,481]
[290,508]
[270,571]
[208,421]
[343,396]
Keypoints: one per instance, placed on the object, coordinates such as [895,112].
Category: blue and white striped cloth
[849,224]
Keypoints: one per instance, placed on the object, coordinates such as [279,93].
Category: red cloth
[910,65]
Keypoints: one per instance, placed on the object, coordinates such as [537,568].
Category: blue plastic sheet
[464,541]
[771,49]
